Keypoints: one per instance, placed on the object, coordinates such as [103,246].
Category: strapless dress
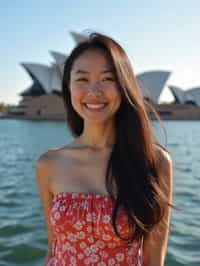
[84,234]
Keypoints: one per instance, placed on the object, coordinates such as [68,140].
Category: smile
[96,107]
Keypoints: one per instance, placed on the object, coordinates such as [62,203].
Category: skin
[155,244]
[92,80]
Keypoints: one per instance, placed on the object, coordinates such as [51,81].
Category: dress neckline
[83,195]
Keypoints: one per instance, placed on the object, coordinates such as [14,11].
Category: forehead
[92,60]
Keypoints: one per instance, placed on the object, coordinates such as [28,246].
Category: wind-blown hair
[132,164]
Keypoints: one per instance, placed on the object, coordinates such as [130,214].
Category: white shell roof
[60,59]
[34,87]
[41,73]
[78,37]
[194,94]
[178,93]
[56,79]
[50,78]
[182,96]
[152,83]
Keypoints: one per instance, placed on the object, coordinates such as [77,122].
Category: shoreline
[172,111]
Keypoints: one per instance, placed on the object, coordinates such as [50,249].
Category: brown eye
[82,79]
[109,79]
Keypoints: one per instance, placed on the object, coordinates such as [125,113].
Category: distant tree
[4,107]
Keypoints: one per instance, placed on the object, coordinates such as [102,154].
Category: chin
[98,120]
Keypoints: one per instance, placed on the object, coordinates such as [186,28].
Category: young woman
[107,194]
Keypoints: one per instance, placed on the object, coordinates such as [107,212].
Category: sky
[157,35]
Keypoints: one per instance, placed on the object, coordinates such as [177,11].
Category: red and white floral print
[84,234]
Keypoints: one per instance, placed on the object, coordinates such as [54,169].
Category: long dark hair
[134,156]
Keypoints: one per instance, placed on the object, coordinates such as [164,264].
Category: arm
[155,243]
[42,178]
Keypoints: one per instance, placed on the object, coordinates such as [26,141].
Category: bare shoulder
[44,157]
[165,170]
[51,155]
[45,160]
[164,158]
[43,166]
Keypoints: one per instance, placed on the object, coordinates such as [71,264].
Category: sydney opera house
[43,100]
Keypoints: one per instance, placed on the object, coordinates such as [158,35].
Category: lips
[95,102]
[95,106]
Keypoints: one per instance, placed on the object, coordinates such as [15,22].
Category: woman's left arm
[154,247]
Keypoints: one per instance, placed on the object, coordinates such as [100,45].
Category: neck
[98,136]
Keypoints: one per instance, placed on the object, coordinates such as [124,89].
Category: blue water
[23,239]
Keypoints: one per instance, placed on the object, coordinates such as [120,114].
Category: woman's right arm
[42,169]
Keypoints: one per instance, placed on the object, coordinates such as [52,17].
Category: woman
[109,192]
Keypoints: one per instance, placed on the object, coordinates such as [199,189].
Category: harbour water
[23,239]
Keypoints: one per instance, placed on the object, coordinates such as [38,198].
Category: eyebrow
[80,71]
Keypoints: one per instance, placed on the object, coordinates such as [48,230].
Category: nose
[95,88]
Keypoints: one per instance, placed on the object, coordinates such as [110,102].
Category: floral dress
[84,234]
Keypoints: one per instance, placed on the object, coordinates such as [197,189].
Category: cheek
[76,94]
[75,100]
[115,95]
[118,102]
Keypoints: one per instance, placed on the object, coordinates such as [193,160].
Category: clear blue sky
[156,35]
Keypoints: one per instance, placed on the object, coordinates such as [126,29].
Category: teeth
[95,106]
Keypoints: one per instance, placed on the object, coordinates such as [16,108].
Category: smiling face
[94,90]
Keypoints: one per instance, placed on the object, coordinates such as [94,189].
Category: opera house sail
[43,99]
